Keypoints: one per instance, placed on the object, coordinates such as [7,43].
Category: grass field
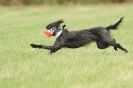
[87,67]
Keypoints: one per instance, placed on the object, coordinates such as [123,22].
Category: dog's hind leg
[120,47]
[116,45]
[115,48]
[102,45]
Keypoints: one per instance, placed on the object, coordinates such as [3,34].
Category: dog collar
[58,33]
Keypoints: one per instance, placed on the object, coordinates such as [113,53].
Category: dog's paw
[116,49]
[125,50]
[36,46]
[33,45]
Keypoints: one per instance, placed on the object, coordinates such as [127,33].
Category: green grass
[87,67]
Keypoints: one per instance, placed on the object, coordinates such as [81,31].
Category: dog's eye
[48,27]
[52,29]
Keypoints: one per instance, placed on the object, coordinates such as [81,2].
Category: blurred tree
[37,2]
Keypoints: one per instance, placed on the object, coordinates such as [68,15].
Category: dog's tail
[115,26]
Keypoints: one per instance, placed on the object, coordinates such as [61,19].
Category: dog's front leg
[41,46]
[55,47]
[52,49]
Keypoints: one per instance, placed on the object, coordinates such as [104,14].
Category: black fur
[75,39]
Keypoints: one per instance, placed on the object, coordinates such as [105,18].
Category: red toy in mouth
[48,33]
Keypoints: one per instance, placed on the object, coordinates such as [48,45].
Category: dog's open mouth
[48,33]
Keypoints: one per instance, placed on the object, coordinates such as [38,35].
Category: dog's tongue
[48,33]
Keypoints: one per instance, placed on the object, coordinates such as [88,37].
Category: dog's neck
[58,33]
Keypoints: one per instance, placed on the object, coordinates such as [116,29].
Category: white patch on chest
[58,34]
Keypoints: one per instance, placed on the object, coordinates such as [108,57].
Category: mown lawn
[87,67]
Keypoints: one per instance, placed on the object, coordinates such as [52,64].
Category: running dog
[74,39]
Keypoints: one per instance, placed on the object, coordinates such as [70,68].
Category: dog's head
[53,28]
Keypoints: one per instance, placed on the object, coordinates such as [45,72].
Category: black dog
[75,39]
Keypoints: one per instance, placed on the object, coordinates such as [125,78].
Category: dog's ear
[55,24]
[63,26]
[60,21]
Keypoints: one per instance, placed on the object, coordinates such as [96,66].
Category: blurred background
[22,23]
[59,2]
